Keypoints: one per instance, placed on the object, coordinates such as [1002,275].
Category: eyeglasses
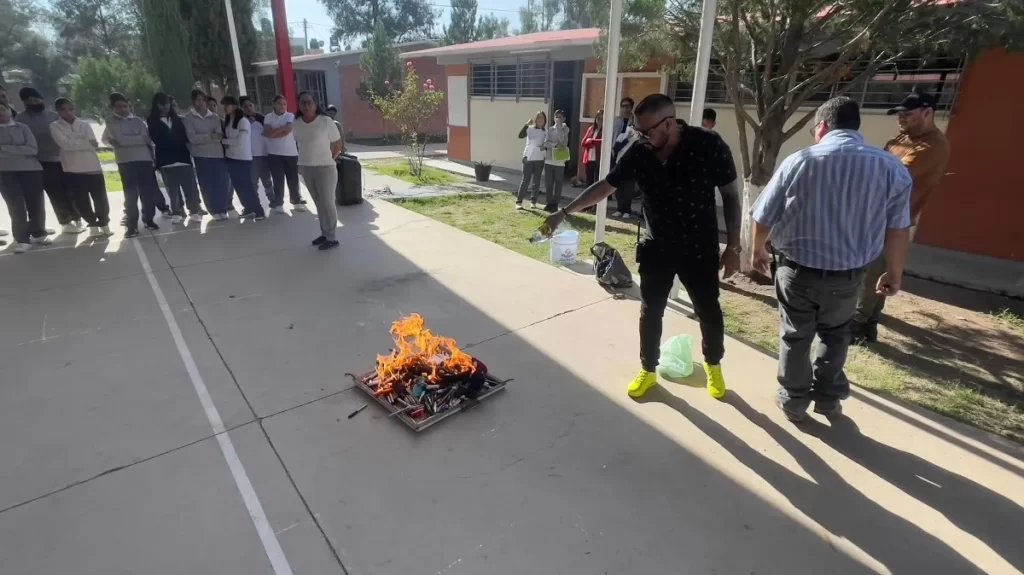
[814,128]
[647,133]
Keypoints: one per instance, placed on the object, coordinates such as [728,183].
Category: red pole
[286,77]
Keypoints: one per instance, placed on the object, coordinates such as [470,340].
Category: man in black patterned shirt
[677,167]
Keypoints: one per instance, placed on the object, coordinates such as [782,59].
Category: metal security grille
[266,89]
[314,82]
[519,80]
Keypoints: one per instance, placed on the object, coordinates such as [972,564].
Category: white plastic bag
[676,357]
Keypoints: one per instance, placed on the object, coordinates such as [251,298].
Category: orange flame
[419,352]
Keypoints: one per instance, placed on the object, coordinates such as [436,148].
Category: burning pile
[425,374]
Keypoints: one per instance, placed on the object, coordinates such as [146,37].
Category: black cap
[27,92]
[914,101]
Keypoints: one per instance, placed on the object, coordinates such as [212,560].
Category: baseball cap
[914,101]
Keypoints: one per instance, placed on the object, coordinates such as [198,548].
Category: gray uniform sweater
[203,132]
[130,139]
[18,149]
[49,151]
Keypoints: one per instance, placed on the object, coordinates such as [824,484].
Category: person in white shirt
[556,150]
[535,133]
[319,142]
[260,165]
[282,155]
[81,165]
[238,151]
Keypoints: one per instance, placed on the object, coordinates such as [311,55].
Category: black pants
[61,198]
[23,193]
[624,196]
[285,169]
[699,276]
[140,186]
[90,193]
[592,169]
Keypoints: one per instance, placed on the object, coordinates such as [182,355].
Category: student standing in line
[535,133]
[320,144]
[709,119]
[21,182]
[260,164]
[167,132]
[129,136]
[38,119]
[283,155]
[82,170]
[205,134]
[591,145]
[556,155]
[238,153]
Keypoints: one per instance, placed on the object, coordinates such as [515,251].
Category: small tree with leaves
[410,108]
[98,77]
[380,66]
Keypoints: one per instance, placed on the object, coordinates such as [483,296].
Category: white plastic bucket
[565,247]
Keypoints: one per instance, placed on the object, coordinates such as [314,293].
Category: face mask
[35,107]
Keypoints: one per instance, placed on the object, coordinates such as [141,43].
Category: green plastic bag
[676,357]
[560,154]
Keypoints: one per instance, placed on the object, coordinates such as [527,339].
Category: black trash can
[350,181]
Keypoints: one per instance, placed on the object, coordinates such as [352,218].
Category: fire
[419,352]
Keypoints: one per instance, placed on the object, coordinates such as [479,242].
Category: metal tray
[493,385]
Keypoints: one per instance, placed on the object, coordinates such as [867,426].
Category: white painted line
[252,503]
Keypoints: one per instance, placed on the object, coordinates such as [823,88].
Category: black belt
[786,262]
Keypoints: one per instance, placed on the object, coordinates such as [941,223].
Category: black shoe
[551,208]
[246,214]
[329,245]
[861,333]
[319,240]
[131,233]
[151,226]
[259,218]
[791,414]
[832,410]
[202,212]
[165,211]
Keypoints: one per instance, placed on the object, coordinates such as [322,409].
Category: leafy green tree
[210,47]
[315,44]
[166,39]
[410,108]
[24,48]
[97,28]
[539,16]
[643,23]
[380,67]
[402,20]
[462,28]
[490,27]
[98,77]
[776,55]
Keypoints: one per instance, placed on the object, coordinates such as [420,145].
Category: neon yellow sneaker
[716,381]
[641,383]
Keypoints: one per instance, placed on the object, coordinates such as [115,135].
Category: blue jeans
[241,179]
[213,181]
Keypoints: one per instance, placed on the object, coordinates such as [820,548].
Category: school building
[495,86]
[333,78]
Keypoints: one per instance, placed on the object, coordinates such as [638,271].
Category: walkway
[113,463]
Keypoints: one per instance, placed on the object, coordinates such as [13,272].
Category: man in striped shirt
[829,211]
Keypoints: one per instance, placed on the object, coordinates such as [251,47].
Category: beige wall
[494,126]
[876,127]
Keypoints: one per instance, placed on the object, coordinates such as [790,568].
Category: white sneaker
[195,218]
[533,205]
[106,231]
[617,215]
[44,241]
[4,233]
[51,231]
[279,209]
[298,207]
[71,228]
[176,219]
[95,232]
[627,216]
[519,207]
[22,248]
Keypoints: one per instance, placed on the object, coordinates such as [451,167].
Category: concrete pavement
[112,462]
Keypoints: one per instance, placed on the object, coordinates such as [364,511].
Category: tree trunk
[760,173]
[750,194]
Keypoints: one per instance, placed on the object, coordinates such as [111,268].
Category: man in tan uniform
[924,150]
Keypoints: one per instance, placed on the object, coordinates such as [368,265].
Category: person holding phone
[536,135]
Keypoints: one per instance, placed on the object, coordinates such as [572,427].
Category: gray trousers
[814,303]
[532,171]
[23,193]
[869,303]
[553,178]
[322,183]
[261,173]
[180,182]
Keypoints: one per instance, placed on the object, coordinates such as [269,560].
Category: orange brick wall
[362,121]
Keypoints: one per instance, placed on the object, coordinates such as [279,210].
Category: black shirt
[679,194]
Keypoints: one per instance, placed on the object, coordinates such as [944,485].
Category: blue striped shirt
[830,204]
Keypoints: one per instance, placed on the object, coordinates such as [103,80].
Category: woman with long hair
[319,142]
[591,145]
[535,133]
[205,136]
[238,153]
[283,155]
[173,160]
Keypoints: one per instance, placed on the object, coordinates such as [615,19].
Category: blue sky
[320,23]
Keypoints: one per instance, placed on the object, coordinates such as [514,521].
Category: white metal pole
[239,73]
[611,108]
[703,64]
